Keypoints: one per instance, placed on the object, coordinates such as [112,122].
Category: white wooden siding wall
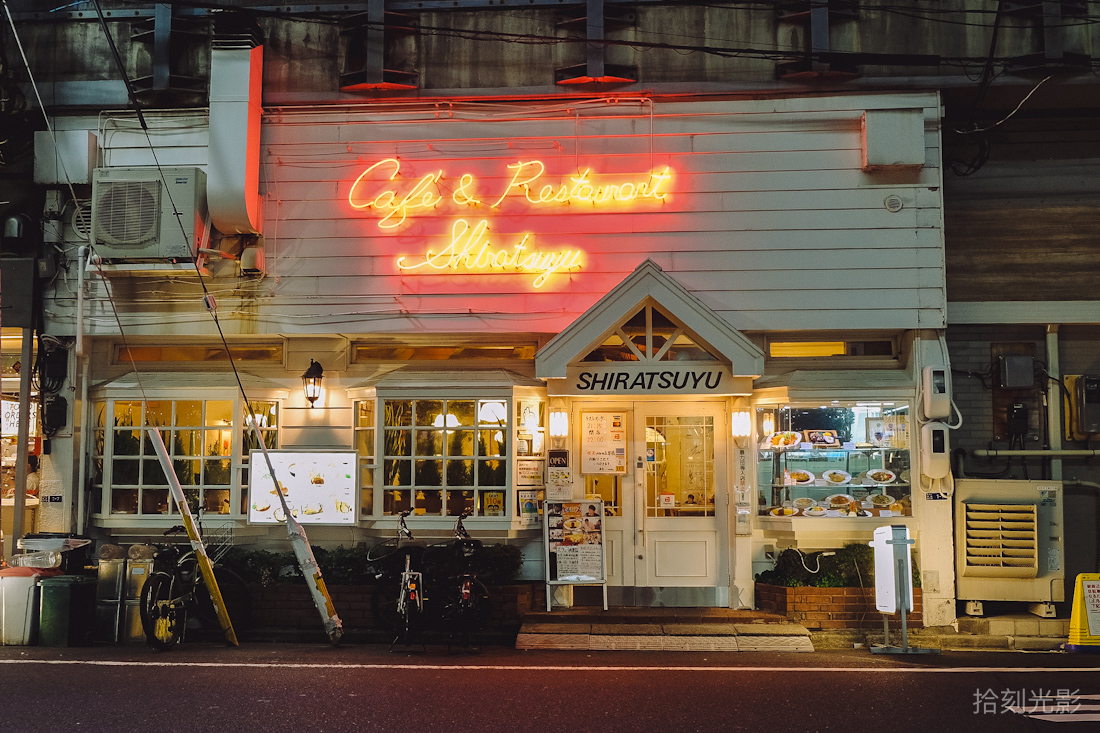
[770,220]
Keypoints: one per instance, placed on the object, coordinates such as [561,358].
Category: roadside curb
[945,638]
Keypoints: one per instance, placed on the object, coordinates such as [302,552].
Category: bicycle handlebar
[402,528]
[460,530]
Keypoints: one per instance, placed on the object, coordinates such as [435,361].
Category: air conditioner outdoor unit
[1009,541]
[134,213]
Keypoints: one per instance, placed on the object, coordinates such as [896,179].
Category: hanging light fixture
[311,381]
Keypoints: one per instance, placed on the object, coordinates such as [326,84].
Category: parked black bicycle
[399,597]
[176,592]
[466,605]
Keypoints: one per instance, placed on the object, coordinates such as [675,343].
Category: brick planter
[290,606]
[831,608]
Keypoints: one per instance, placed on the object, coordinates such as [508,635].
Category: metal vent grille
[127,212]
[1002,540]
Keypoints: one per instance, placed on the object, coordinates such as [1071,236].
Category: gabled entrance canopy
[713,341]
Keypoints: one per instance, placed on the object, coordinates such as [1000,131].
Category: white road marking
[553,668]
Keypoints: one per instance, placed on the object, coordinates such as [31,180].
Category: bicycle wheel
[467,608]
[163,610]
[235,594]
[409,609]
[385,600]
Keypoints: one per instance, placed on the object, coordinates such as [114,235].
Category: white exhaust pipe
[233,171]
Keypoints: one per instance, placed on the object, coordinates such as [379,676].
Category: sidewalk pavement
[1014,632]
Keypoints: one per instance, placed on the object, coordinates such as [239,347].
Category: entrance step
[662,629]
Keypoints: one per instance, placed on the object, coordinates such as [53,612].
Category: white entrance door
[668,539]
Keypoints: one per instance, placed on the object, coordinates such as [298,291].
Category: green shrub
[262,567]
[852,566]
[493,564]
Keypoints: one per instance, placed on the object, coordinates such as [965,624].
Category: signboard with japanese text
[603,442]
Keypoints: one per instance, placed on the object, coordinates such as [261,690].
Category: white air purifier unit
[134,213]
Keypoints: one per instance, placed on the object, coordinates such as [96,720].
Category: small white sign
[890,545]
[560,484]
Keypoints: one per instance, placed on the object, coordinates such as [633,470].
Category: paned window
[205,439]
[681,473]
[443,457]
[364,446]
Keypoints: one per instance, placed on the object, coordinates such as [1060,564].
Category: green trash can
[66,614]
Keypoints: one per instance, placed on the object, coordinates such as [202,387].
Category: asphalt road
[295,687]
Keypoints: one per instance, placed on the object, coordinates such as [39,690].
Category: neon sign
[470,248]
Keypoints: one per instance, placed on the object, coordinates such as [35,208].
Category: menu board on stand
[573,533]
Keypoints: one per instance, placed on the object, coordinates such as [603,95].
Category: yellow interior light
[807,348]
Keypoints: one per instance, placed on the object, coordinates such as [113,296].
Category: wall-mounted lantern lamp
[311,381]
[559,424]
[741,427]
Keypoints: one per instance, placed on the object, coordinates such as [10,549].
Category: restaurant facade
[718,316]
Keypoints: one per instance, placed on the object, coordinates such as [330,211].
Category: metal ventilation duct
[233,180]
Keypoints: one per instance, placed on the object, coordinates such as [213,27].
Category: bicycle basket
[218,540]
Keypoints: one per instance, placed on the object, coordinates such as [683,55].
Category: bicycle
[399,598]
[175,589]
[467,604]
[401,601]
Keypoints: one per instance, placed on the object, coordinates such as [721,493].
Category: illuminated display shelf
[780,489]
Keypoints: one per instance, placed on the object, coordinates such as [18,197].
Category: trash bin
[74,548]
[67,615]
[18,606]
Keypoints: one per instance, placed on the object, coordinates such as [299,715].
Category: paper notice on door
[603,443]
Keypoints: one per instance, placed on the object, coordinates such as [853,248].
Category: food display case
[838,460]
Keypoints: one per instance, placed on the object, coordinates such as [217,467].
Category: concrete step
[662,629]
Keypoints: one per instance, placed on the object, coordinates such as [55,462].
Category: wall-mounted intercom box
[936,388]
[935,450]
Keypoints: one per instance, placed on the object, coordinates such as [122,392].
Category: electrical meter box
[1087,392]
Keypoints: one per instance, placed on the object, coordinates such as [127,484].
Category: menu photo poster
[603,443]
[574,541]
[319,487]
